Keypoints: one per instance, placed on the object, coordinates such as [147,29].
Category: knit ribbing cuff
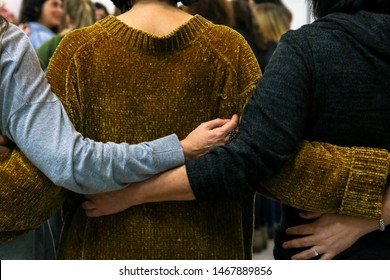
[366,184]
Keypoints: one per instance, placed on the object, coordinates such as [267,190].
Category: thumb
[310,215]
[232,124]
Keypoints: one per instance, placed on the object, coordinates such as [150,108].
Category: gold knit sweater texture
[124,85]
[28,198]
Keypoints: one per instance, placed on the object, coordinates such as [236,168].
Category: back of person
[345,60]
[124,84]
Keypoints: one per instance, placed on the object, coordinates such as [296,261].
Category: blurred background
[299,9]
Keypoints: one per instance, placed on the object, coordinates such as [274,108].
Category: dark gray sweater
[327,81]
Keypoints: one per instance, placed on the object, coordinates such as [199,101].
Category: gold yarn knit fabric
[347,174]
[27,197]
[124,85]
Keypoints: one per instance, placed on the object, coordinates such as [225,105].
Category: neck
[171,3]
[158,17]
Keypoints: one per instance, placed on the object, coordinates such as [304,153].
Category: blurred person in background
[42,19]
[100,11]
[77,14]
[273,20]
[254,2]
[6,13]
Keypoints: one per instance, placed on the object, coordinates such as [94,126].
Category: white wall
[300,11]
[110,6]
[14,6]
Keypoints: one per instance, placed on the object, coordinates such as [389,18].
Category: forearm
[332,179]
[83,165]
[169,186]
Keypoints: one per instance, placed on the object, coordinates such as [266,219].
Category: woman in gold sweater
[153,70]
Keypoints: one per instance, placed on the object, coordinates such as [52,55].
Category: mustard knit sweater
[124,85]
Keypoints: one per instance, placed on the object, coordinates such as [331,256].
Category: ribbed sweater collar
[134,38]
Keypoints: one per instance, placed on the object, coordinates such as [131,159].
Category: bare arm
[168,186]
[338,161]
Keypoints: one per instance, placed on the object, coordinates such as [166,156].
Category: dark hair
[31,10]
[217,11]
[99,6]
[125,5]
[3,25]
[323,7]
[279,2]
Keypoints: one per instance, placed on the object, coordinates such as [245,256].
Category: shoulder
[80,38]
[73,43]
[15,39]
[223,34]
[227,43]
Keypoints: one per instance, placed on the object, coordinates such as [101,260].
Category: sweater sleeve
[332,179]
[270,134]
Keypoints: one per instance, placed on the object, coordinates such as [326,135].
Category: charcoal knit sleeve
[273,124]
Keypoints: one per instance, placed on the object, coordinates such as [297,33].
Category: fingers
[93,213]
[4,150]
[302,242]
[91,210]
[215,123]
[232,124]
[300,230]
[225,124]
[4,140]
[310,215]
[307,254]
[88,205]
[314,252]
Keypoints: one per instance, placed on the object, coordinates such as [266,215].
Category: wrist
[385,219]
[186,149]
[388,164]
[382,225]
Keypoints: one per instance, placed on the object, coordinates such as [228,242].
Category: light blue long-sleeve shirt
[39,34]
[34,118]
